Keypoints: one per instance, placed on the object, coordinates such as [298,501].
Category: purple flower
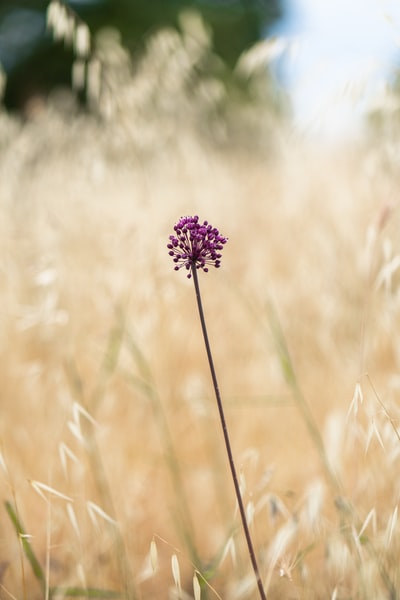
[195,244]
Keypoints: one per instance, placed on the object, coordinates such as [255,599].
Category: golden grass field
[111,449]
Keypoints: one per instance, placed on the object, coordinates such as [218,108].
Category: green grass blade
[28,550]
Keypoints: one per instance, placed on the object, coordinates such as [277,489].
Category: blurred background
[335,60]
[34,64]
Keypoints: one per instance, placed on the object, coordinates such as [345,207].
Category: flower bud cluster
[195,244]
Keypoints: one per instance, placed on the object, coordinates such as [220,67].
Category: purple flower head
[195,244]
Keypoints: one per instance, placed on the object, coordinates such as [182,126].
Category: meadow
[114,480]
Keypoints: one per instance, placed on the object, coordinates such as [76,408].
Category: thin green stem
[226,437]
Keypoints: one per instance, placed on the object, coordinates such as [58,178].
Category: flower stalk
[195,246]
[228,447]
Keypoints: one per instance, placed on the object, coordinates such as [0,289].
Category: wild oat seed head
[195,244]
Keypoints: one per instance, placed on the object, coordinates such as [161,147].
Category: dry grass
[94,319]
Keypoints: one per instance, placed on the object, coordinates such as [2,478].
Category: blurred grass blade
[29,553]
[145,383]
[83,593]
[196,587]
[281,345]
[110,359]
[301,403]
